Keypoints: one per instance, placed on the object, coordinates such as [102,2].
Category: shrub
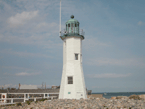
[28,102]
[19,104]
[136,97]
[43,99]
[36,101]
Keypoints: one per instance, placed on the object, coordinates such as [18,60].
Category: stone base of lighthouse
[72,82]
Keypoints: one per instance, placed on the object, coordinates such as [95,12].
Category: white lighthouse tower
[72,81]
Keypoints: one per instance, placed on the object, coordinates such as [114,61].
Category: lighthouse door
[79,95]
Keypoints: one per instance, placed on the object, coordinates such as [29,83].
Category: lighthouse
[72,81]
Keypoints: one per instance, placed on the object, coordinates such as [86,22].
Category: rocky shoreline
[119,102]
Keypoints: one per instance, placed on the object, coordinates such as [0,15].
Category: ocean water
[111,94]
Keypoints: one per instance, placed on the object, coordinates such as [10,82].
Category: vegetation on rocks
[28,102]
[43,99]
[135,97]
[19,104]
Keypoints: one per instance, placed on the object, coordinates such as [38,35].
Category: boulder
[135,97]
[113,97]
[142,96]
[121,97]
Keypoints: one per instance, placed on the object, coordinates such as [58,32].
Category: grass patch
[43,99]
[28,102]
[19,104]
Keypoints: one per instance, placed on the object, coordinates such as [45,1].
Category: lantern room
[72,29]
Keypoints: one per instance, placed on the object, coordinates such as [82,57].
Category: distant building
[28,87]
[55,87]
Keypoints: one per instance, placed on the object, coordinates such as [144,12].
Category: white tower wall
[72,68]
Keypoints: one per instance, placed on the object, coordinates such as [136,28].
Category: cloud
[8,85]
[141,23]
[38,34]
[16,86]
[25,54]
[22,74]
[116,62]
[35,26]
[38,40]
[45,27]
[22,18]
[94,42]
[26,74]
[6,73]
[15,67]
[109,75]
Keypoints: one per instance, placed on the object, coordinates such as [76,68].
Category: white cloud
[93,43]
[41,34]
[45,27]
[38,40]
[34,25]
[141,23]
[25,54]
[16,86]
[6,73]
[22,18]
[109,75]
[15,67]
[8,85]
[26,74]
[22,74]
[116,62]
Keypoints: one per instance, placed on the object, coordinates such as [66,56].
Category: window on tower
[70,80]
[68,25]
[75,25]
[76,56]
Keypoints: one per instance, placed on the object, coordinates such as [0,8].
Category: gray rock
[95,103]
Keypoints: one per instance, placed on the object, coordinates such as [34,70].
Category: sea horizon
[116,92]
[112,94]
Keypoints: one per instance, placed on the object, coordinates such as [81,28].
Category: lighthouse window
[76,56]
[68,25]
[70,80]
[75,25]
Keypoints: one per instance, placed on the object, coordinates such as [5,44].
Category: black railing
[65,33]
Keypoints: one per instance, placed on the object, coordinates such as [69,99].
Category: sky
[31,51]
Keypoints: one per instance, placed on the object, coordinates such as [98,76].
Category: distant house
[28,87]
[55,87]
